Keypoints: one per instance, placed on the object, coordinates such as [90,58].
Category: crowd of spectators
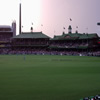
[5,37]
[48,52]
[69,45]
[7,49]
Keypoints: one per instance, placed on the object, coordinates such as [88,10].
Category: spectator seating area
[38,43]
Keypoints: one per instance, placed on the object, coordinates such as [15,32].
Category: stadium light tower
[98,23]
[20,17]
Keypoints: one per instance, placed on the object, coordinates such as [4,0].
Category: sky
[51,16]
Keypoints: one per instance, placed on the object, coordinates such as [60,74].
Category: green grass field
[48,77]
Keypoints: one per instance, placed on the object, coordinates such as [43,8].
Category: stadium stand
[30,43]
[6,33]
[38,43]
[76,43]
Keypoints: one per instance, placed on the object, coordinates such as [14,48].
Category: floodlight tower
[20,18]
[98,23]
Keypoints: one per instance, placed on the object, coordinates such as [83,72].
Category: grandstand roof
[32,35]
[73,36]
[5,28]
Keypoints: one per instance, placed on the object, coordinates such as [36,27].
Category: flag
[76,26]
[64,28]
[70,19]
[87,28]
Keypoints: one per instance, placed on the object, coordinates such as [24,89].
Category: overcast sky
[50,16]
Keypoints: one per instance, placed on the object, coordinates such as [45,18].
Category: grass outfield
[48,77]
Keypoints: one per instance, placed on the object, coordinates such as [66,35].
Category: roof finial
[69,29]
[31,29]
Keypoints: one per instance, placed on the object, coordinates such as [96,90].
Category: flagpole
[41,27]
